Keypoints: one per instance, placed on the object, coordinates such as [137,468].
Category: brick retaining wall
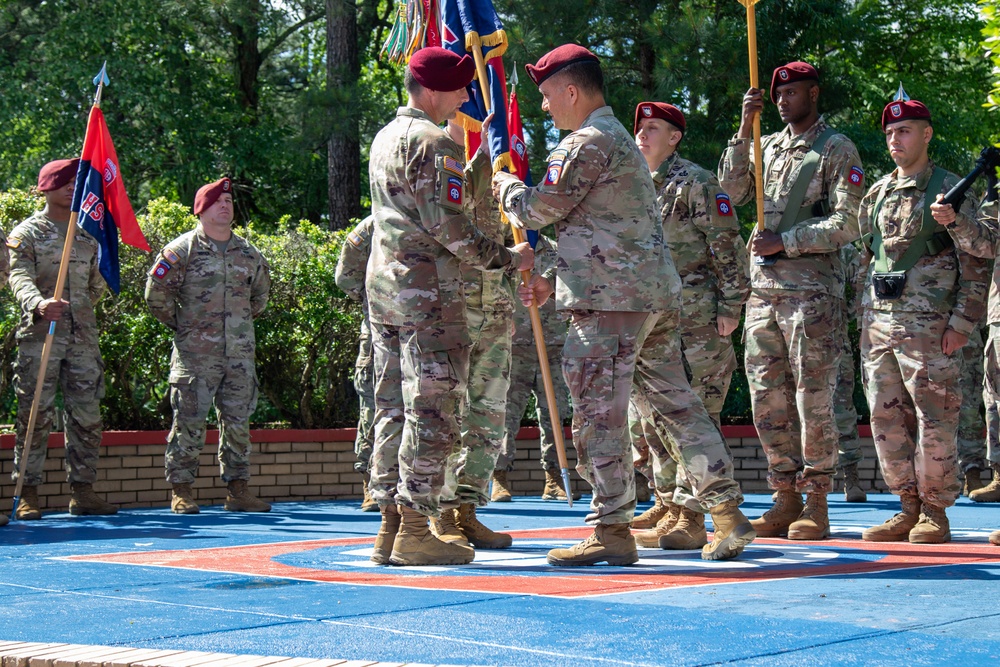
[315,464]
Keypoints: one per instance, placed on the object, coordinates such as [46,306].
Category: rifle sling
[795,212]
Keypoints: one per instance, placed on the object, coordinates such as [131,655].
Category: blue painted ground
[948,614]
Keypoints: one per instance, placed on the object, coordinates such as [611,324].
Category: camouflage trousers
[421,380]
[711,360]
[526,381]
[196,384]
[650,457]
[681,430]
[914,395]
[849,446]
[485,410]
[991,395]
[792,357]
[364,385]
[78,371]
[971,424]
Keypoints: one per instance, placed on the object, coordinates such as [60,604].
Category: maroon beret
[209,194]
[56,174]
[905,110]
[667,112]
[790,73]
[557,59]
[442,70]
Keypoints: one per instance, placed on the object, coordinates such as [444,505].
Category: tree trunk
[343,148]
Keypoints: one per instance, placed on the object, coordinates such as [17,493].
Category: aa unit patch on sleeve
[453,192]
[454,166]
[856,176]
[553,172]
[161,269]
[723,204]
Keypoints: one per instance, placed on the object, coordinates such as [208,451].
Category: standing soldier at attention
[813,182]
[420,330]
[702,232]
[526,381]
[207,286]
[616,279]
[849,452]
[971,425]
[923,297]
[75,365]
[351,267]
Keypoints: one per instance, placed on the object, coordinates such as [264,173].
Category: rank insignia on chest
[856,176]
[723,204]
[454,190]
[162,269]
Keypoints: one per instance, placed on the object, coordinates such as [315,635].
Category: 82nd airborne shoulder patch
[161,269]
[553,172]
[856,176]
[723,204]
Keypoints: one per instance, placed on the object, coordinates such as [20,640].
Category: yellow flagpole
[758,158]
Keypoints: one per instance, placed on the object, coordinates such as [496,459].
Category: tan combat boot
[415,545]
[853,493]
[554,487]
[991,492]
[368,503]
[688,533]
[775,521]
[446,529]
[239,499]
[995,537]
[897,528]
[28,508]
[610,543]
[386,534]
[814,522]
[651,538]
[933,527]
[84,502]
[480,536]
[501,490]
[732,532]
[182,500]
[652,516]
[973,481]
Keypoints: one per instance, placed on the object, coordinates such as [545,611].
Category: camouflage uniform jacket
[4,260]
[599,193]
[553,327]
[703,234]
[353,261]
[854,276]
[422,232]
[36,247]
[950,282]
[485,290]
[810,261]
[979,235]
[209,298]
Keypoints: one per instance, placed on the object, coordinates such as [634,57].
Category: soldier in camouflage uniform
[971,424]
[207,286]
[526,381]
[417,307]
[75,364]
[793,315]
[616,279]
[350,277]
[4,260]
[703,235]
[923,298]
[849,453]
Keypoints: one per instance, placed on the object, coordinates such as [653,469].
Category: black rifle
[988,161]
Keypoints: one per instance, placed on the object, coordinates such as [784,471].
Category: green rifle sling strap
[794,211]
[921,244]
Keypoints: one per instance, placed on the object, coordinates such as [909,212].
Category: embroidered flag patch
[723,204]
[170,256]
[161,269]
[856,176]
[354,239]
[454,191]
[454,166]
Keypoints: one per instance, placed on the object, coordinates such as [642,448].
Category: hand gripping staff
[758,157]
[536,319]
[100,80]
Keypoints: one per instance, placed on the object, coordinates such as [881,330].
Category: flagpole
[758,158]
[536,318]
[50,336]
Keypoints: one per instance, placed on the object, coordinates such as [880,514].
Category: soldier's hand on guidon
[944,214]
[753,104]
[51,309]
[537,291]
[499,178]
[484,136]
[527,256]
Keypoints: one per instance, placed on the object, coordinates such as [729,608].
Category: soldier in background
[793,315]
[4,260]
[75,364]
[849,453]
[421,237]
[526,381]
[207,286]
[350,277]
[971,425]
[923,297]
[702,232]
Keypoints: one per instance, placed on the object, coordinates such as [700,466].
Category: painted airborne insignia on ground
[521,570]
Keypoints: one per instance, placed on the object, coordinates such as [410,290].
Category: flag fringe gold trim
[497,39]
